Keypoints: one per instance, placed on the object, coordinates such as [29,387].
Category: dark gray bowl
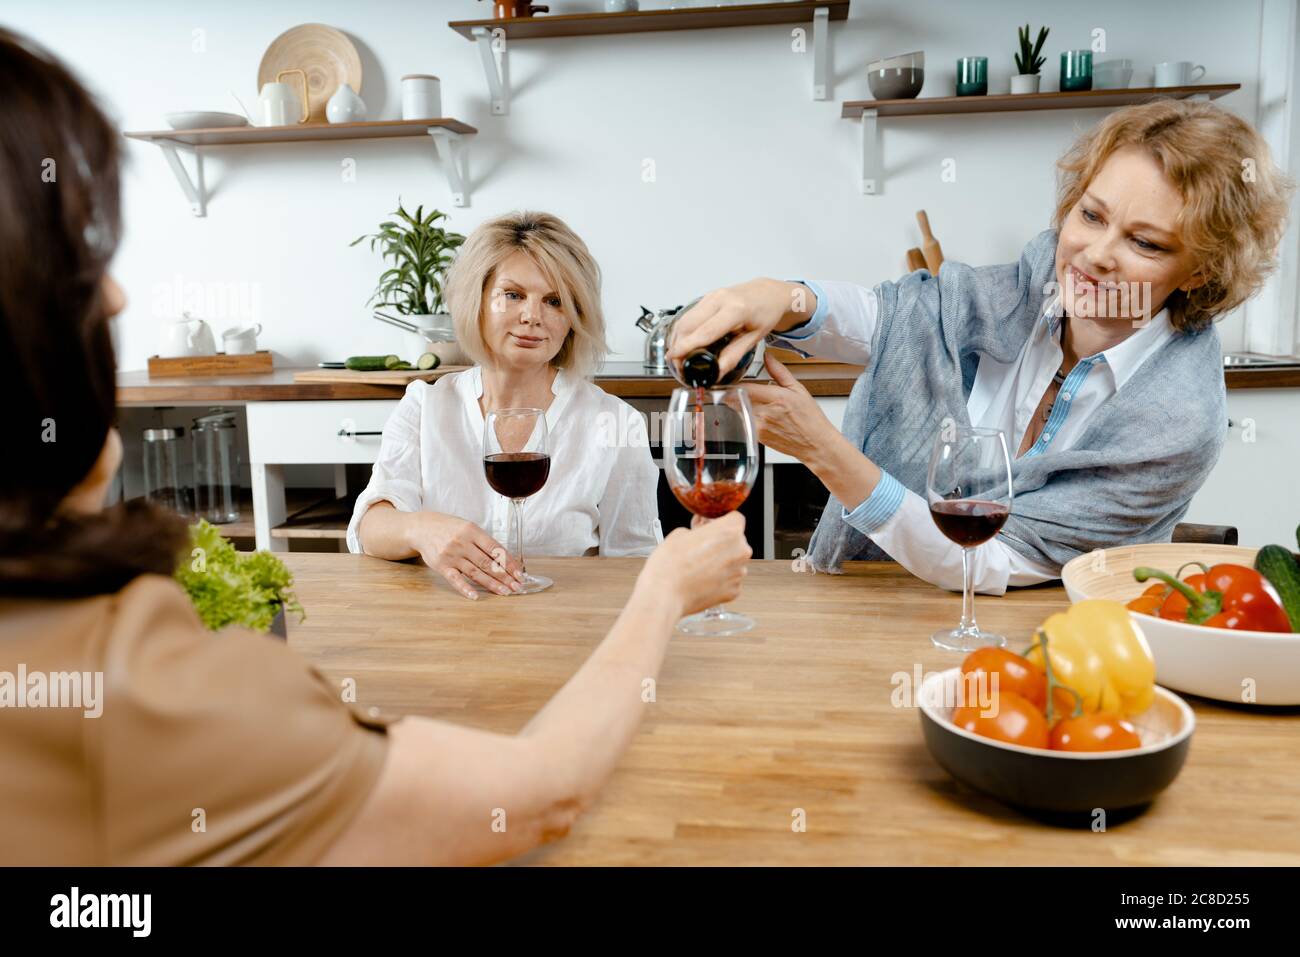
[1059,782]
[896,83]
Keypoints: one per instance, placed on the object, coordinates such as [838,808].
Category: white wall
[753,177]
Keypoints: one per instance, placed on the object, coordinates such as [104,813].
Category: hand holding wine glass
[711,461]
[703,567]
[969,489]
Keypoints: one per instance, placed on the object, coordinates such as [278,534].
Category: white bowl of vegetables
[1238,663]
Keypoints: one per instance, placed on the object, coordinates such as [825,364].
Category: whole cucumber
[368,363]
[1276,564]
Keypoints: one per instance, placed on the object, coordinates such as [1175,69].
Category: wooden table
[794,715]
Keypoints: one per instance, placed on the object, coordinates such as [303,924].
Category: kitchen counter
[625,379]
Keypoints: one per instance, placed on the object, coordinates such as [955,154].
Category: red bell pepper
[1224,596]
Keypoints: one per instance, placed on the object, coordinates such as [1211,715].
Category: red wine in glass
[969,490]
[516,464]
[517,474]
[969,522]
[711,462]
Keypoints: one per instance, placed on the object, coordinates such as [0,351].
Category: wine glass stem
[967,594]
[517,531]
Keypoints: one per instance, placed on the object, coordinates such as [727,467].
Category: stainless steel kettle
[656,325]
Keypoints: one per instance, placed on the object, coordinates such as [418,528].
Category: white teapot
[186,337]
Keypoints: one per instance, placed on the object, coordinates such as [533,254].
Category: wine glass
[516,461]
[969,489]
[711,460]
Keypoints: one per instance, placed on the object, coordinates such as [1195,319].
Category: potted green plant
[247,589]
[1028,62]
[418,252]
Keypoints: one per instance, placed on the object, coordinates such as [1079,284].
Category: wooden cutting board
[387,377]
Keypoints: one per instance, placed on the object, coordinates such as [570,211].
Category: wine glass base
[533,583]
[959,640]
[715,623]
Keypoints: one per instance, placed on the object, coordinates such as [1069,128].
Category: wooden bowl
[1059,782]
[1243,667]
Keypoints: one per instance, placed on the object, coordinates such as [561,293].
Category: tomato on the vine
[1100,731]
[1011,718]
[1015,673]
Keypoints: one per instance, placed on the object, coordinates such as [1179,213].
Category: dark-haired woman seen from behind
[235,725]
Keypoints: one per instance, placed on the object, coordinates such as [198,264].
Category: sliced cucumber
[427,361]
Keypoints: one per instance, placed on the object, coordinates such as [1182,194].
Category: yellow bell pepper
[1097,649]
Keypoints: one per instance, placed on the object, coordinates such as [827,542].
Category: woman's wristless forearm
[387,533]
[845,471]
[800,304]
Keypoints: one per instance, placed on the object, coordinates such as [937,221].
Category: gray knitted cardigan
[1130,476]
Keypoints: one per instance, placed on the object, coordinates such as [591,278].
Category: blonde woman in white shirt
[524,294]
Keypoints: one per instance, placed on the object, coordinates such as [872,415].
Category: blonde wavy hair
[1235,200]
[561,256]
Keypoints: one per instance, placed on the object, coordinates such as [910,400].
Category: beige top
[210,749]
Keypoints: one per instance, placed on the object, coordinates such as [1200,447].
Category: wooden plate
[387,377]
[326,55]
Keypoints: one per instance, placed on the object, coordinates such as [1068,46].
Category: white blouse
[600,495]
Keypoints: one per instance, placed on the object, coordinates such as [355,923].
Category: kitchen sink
[1238,360]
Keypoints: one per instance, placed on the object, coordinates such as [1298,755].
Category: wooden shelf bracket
[821,52]
[498,77]
[872,173]
[450,146]
[195,192]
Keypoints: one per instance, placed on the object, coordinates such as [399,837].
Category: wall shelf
[447,135]
[870,111]
[492,36]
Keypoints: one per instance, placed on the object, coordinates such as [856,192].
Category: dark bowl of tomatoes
[1054,781]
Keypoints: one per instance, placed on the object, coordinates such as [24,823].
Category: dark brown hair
[59,228]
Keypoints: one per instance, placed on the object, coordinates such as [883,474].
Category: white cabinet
[1256,484]
[306,433]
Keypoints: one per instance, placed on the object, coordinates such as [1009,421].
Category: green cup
[1076,70]
[973,76]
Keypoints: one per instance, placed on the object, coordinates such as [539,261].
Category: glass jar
[163,457]
[216,467]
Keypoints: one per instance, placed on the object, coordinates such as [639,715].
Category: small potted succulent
[418,252]
[1028,62]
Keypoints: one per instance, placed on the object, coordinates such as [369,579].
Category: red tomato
[1101,731]
[1015,720]
[1015,673]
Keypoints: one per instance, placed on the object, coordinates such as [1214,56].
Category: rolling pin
[929,245]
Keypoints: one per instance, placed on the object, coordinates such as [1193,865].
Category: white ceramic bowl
[1243,667]
[203,119]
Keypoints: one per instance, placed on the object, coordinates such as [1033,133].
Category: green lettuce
[229,587]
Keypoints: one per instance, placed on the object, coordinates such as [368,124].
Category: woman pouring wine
[1094,355]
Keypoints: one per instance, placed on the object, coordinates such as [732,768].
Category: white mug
[241,340]
[279,105]
[1178,73]
[421,97]
[186,337]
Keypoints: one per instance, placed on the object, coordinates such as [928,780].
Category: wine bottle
[700,366]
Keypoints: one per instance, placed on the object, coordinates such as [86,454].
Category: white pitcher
[186,337]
